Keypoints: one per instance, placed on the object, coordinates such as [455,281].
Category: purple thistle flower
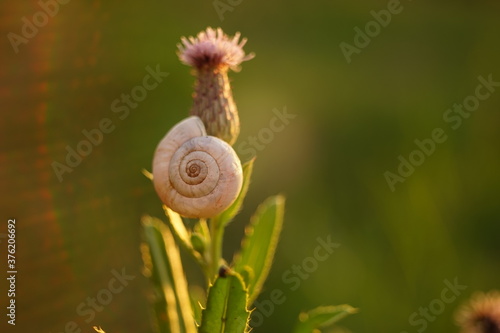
[212,48]
[212,53]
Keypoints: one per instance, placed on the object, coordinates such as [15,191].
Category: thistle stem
[217,234]
[205,261]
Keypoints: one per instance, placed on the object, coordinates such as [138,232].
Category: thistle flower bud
[211,54]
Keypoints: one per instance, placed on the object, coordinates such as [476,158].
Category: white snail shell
[194,174]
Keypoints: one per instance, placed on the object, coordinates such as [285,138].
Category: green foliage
[198,298]
[230,291]
[226,309]
[226,216]
[259,244]
[173,305]
[184,237]
[233,290]
[219,222]
[322,317]
[178,228]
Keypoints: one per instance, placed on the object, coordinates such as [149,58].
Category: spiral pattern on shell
[194,174]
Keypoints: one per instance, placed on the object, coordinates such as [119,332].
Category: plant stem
[217,234]
[205,262]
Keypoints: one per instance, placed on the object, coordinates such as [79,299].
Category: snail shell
[194,174]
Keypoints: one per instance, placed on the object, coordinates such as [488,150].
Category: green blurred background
[352,122]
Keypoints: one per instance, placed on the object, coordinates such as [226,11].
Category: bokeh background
[352,122]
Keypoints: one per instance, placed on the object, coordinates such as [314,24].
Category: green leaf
[322,317]
[147,174]
[173,306]
[181,233]
[259,244]
[226,216]
[198,298]
[178,227]
[226,310]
